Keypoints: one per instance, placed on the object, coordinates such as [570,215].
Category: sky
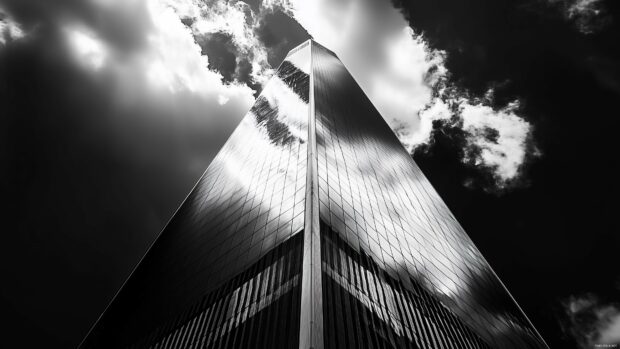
[110,110]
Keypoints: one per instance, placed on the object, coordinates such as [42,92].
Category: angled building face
[313,228]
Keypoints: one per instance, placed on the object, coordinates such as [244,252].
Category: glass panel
[245,204]
[373,195]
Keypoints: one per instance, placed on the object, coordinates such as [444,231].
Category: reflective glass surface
[232,267]
[250,200]
[376,199]
[255,309]
[364,307]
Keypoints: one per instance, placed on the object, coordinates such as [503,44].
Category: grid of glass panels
[366,308]
[250,200]
[378,201]
[255,309]
[397,268]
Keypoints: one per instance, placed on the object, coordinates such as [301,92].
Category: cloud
[224,50]
[112,113]
[170,58]
[180,62]
[89,50]
[392,65]
[589,16]
[162,81]
[403,76]
[497,140]
[9,29]
[610,332]
[437,110]
[590,321]
[230,29]
[409,83]
[499,136]
[235,19]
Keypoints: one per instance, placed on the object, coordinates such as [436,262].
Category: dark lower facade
[258,308]
[313,228]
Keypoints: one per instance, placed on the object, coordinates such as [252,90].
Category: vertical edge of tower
[311,321]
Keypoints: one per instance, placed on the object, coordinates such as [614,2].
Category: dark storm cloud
[227,58]
[497,40]
[95,157]
[222,54]
[279,33]
[69,197]
[274,30]
[244,41]
[107,118]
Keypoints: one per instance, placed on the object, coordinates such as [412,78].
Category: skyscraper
[313,228]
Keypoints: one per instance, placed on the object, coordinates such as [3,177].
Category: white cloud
[582,7]
[404,87]
[160,91]
[497,140]
[280,97]
[436,110]
[506,150]
[375,43]
[171,59]
[404,78]
[235,19]
[88,49]
[407,81]
[9,29]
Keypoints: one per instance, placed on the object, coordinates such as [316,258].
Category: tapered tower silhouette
[313,228]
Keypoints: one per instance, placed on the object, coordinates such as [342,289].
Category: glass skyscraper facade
[313,228]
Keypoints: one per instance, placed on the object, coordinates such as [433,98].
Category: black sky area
[79,211]
[556,236]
